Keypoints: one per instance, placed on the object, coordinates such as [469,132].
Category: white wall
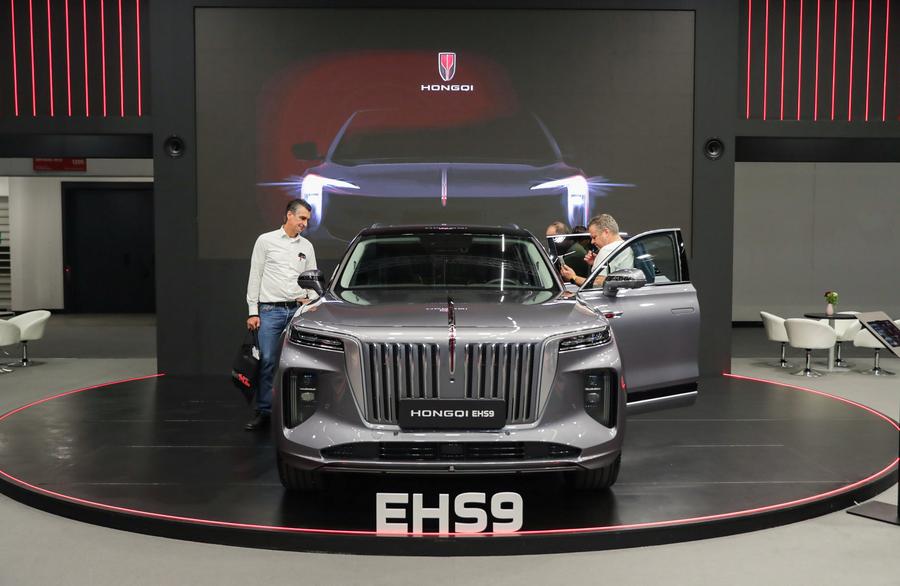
[35,209]
[801,229]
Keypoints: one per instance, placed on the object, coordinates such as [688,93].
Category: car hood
[511,310]
[452,179]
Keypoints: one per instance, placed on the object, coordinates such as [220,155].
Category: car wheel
[299,480]
[599,479]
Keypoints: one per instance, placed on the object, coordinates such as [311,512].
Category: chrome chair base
[808,372]
[878,372]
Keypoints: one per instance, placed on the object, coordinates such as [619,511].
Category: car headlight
[314,340]
[587,340]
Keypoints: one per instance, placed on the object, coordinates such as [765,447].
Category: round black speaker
[713,149]
[174,146]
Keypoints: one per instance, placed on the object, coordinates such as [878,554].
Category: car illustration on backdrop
[382,167]
[457,349]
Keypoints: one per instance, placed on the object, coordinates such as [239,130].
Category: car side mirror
[312,279]
[306,151]
[623,279]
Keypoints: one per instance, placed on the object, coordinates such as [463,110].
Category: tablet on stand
[888,333]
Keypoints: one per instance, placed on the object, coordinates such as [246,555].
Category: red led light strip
[31,36]
[12,15]
[121,68]
[868,60]
[103,50]
[887,23]
[834,57]
[766,64]
[816,96]
[800,61]
[852,36]
[87,97]
[783,51]
[50,57]
[749,52]
[68,63]
[137,10]
[604,528]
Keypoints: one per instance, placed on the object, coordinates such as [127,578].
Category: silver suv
[457,349]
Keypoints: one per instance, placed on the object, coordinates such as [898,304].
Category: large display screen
[440,116]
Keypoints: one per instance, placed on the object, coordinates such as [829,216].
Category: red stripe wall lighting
[72,58]
[821,60]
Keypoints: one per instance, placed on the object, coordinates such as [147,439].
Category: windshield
[446,261]
[374,137]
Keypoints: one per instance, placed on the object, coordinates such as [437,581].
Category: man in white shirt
[604,232]
[273,295]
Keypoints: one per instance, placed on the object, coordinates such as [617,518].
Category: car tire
[599,479]
[296,480]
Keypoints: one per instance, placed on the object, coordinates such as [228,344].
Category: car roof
[508,230]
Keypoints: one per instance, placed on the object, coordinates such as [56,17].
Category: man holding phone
[604,231]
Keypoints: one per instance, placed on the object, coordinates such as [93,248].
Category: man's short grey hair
[560,227]
[295,205]
[604,222]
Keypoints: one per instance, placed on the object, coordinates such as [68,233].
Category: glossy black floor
[748,455]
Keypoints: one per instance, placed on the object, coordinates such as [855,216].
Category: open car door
[655,318]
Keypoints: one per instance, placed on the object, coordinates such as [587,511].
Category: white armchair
[9,335]
[31,327]
[775,331]
[809,334]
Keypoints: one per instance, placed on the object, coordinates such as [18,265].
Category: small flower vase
[829,309]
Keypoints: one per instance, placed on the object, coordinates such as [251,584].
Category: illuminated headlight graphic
[313,340]
[576,196]
[312,188]
[588,340]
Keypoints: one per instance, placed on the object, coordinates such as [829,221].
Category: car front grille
[394,371]
[504,371]
[450,451]
[509,372]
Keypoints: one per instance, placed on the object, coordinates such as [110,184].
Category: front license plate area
[451,414]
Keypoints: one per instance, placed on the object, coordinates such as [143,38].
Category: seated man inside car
[604,231]
[569,249]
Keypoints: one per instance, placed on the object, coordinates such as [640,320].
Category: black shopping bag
[245,368]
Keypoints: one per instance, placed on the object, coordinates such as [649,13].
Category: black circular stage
[168,456]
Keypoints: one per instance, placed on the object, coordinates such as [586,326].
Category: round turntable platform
[167,455]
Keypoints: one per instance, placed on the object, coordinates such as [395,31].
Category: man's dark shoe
[260,421]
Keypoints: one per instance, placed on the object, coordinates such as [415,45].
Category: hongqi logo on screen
[447,69]
[447,65]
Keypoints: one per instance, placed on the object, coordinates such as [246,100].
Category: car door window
[656,254]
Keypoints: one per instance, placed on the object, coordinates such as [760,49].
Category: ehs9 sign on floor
[472,512]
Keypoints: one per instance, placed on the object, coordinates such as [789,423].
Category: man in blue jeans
[273,295]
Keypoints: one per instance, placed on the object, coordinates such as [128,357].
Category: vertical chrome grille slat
[514,366]
[376,381]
